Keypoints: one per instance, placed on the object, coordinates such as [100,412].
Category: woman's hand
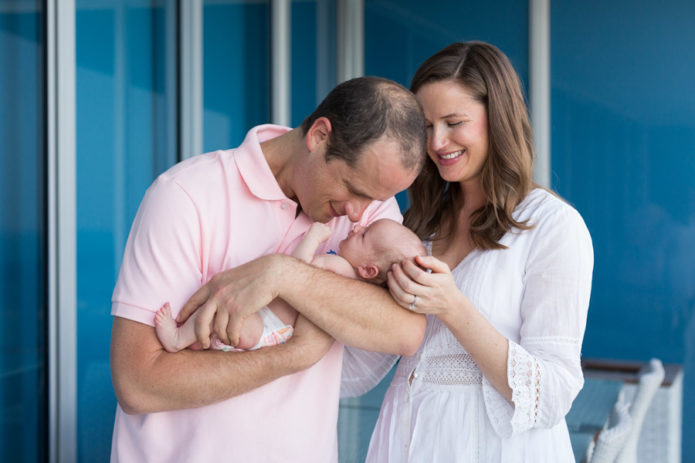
[424,292]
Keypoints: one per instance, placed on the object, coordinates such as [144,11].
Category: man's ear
[318,134]
[368,272]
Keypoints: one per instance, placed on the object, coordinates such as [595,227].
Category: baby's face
[362,245]
[358,246]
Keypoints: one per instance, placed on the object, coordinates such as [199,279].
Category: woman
[508,293]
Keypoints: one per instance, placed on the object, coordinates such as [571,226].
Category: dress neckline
[461,263]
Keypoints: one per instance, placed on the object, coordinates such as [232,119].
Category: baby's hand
[319,231]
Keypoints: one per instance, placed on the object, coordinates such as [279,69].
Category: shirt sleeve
[543,368]
[162,258]
[382,210]
[363,370]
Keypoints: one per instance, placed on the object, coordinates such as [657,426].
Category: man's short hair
[363,109]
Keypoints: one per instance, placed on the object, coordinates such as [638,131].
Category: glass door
[126,135]
[23,287]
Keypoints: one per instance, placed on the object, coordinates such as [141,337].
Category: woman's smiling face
[457,130]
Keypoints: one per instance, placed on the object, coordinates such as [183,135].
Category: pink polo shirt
[210,213]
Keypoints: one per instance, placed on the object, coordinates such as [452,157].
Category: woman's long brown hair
[486,73]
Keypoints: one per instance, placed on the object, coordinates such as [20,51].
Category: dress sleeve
[363,370]
[543,368]
[162,261]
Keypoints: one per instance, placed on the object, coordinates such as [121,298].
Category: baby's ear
[368,272]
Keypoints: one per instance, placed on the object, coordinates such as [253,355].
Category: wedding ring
[412,304]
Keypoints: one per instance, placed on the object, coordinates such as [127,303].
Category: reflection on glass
[23,321]
[126,136]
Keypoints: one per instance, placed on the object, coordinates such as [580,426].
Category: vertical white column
[280,67]
[539,57]
[62,274]
[191,77]
[350,40]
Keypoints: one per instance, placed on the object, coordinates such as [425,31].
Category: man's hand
[231,296]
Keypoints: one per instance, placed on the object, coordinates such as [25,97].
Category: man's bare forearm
[148,379]
[354,312]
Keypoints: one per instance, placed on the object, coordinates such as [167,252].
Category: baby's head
[372,250]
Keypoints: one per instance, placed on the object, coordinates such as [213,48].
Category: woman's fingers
[397,292]
[405,281]
[432,263]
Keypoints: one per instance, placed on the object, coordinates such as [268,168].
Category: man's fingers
[233,330]
[220,326]
[195,301]
[203,323]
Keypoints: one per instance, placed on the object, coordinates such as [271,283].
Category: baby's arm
[335,264]
[317,234]
[305,250]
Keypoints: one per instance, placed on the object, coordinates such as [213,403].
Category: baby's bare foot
[167,331]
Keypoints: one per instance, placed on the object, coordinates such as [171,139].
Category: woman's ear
[318,134]
[368,272]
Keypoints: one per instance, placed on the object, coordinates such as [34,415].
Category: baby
[367,253]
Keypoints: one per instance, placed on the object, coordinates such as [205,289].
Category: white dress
[536,293]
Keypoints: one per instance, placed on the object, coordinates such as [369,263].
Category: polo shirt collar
[254,167]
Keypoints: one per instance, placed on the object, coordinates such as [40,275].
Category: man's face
[328,189]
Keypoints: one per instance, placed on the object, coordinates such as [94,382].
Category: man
[226,219]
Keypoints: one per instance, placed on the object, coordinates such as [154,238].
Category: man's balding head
[364,109]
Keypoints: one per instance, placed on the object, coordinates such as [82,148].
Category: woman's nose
[438,139]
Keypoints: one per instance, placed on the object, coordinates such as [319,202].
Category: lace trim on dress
[449,369]
[524,375]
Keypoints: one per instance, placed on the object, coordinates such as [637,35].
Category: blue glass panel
[126,113]
[313,55]
[623,152]
[235,70]
[23,320]
[399,36]
[304,56]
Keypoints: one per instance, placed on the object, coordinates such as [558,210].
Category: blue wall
[623,144]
